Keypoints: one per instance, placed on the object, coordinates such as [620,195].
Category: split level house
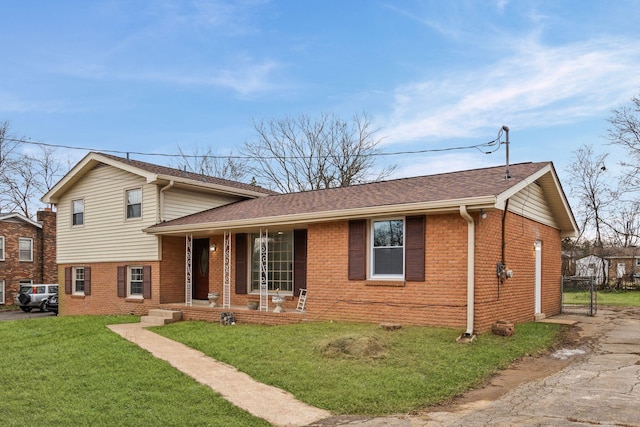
[27,252]
[461,249]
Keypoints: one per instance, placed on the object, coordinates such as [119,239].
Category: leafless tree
[24,176]
[299,154]
[625,132]
[590,185]
[206,161]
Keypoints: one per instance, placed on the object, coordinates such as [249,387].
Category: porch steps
[158,317]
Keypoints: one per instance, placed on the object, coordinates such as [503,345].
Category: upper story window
[134,203]
[1,248]
[387,248]
[26,249]
[78,212]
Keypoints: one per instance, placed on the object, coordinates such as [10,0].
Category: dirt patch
[356,346]
[523,370]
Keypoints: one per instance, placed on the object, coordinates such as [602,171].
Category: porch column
[264,270]
[226,281]
[188,270]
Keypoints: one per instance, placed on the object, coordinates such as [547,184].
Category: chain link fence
[579,295]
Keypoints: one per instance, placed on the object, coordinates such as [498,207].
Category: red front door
[200,266]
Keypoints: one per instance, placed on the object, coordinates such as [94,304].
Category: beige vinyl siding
[181,202]
[106,235]
[531,203]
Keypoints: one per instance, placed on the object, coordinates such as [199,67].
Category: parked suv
[35,295]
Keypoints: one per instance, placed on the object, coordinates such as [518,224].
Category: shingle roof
[452,186]
[164,170]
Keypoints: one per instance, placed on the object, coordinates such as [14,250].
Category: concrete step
[174,315]
[155,321]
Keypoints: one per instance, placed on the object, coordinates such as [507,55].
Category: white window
[78,280]
[387,248]
[279,262]
[134,203]
[78,212]
[637,262]
[1,291]
[134,288]
[1,248]
[26,249]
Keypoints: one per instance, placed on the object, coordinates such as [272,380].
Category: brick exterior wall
[43,267]
[439,300]
[104,291]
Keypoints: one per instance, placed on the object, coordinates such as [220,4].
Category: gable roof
[475,189]
[16,217]
[154,174]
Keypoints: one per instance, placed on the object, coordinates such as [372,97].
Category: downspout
[471,257]
[162,190]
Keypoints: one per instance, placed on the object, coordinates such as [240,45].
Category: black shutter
[357,249]
[299,261]
[87,280]
[122,281]
[241,263]
[67,280]
[146,282]
[414,250]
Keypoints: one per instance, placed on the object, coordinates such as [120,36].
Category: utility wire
[492,145]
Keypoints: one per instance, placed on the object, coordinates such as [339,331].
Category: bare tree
[299,154]
[24,176]
[206,162]
[589,183]
[625,132]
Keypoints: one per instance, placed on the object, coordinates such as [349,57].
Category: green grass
[420,366]
[629,298]
[73,371]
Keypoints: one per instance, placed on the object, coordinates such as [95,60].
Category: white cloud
[537,85]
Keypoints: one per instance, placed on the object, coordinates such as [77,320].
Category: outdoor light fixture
[212,248]
[483,214]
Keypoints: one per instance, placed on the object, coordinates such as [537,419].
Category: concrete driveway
[19,314]
[600,387]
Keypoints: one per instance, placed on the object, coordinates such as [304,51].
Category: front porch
[200,310]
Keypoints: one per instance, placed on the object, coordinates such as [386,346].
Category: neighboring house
[592,266]
[460,249]
[623,265]
[27,252]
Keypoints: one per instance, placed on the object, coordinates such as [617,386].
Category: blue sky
[152,75]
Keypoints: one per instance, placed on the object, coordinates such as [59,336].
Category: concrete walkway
[269,403]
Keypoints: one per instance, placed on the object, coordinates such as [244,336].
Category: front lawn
[73,371]
[360,368]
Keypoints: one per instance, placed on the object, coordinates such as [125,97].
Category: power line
[492,147]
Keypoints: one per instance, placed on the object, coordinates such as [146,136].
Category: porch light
[212,248]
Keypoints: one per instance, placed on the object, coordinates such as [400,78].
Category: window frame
[20,251]
[74,278]
[372,250]
[2,292]
[130,281]
[73,213]
[2,251]
[273,285]
[126,204]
